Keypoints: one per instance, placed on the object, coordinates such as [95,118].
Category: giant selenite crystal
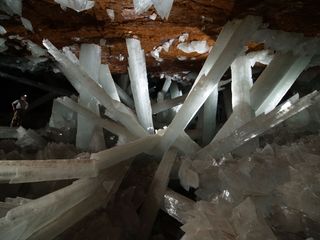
[155,194]
[90,58]
[276,80]
[257,126]
[222,55]
[82,82]
[139,83]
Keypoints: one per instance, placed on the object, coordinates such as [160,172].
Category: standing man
[19,107]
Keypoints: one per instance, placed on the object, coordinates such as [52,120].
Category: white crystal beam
[21,222]
[276,80]
[207,83]
[106,80]
[257,126]
[90,60]
[157,189]
[163,7]
[115,155]
[22,171]
[81,80]
[240,87]
[94,118]
[139,83]
[167,104]
[209,117]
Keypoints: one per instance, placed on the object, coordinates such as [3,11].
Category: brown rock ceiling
[64,28]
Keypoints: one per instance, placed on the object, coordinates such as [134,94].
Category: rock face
[201,19]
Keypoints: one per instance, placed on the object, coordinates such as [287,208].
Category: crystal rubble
[248,224]
[78,79]
[177,205]
[276,80]
[257,126]
[224,56]
[90,61]
[139,83]
[265,184]
[157,189]
[29,139]
[27,24]
[94,118]
[46,170]
[200,47]
[110,13]
[23,221]
[77,5]
[208,221]
[106,80]
[8,132]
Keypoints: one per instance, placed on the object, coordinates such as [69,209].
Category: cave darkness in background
[39,116]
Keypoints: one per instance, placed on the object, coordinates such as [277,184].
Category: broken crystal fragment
[194,46]
[35,49]
[27,24]
[77,5]
[252,226]
[141,6]
[29,139]
[163,7]
[62,117]
[2,30]
[3,46]
[110,13]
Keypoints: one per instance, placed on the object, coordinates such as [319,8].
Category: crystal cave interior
[160,119]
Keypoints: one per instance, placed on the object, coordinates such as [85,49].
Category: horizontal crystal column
[167,104]
[20,171]
[105,123]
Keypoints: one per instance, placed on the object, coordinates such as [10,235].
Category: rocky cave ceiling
[201,19]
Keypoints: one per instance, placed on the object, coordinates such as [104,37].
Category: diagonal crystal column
[157,189]
[106,80]
[139,83]
[204,87]
[257,126]
[276,80]
[82,82]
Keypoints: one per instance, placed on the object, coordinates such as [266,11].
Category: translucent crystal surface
[157,189]
[163,7]
[139,83]
[77,5]
[226,53]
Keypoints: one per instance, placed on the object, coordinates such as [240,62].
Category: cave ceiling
[201,19]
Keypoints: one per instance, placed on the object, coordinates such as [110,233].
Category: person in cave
[19,107]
